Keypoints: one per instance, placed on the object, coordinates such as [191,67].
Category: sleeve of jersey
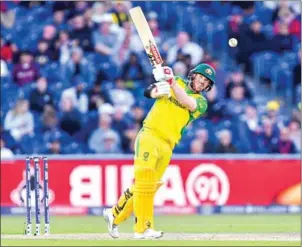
[179,81]
[202,106]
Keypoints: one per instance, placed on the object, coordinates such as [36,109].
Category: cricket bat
[146,36]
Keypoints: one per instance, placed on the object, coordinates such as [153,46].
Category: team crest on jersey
[209,71]
[146,155]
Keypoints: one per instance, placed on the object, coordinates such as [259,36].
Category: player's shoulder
[198,97]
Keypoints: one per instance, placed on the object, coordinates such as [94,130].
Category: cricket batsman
[178,102]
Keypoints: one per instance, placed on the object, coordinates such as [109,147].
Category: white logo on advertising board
[207,182]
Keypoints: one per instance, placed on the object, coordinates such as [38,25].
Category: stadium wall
[203,184]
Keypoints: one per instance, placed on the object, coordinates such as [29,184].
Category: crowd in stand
[76,85]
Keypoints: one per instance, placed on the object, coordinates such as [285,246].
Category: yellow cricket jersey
[169,118]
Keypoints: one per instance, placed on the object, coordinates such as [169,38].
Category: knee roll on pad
[145,181]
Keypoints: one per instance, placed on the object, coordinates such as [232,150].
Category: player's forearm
[183,98]
[150,91]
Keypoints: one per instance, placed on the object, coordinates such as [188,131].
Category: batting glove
[164,74]
[169,75]
[158,73]
[162,89]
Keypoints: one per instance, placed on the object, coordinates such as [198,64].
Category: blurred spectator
[186,47]
[296,113]
[284,144]
[283,40]
[119,122]
[107,109]
[250,128]
[59,20]
[235,21]
[133,70]
[268,137]
[120,12]
[88,18]
[251,119]
[104,139]
[237,79]
[7,50]
[97,96]
[152,19]
[131,43]
[78,96]
[120,96]
[9,140]
[43,54]
[81,33]
[6,153]
[70,120]
[196,147]
[225,142]
[273,113]
[19,120]
[77,66]
[55,147]
[200,143]
[237,103]
[216,107]
[40,97]
[187,60]
[250,42]
[98,10]
[276,5]
[7,15]
[49,119]
[31,4]
[61,5]
[4,72]
[49,35]
[129,138]
[81,6]
[63,46]
[137,115]
[285,14]
[297,79]
[26,70]
[108,38]
[208,58]
[180,69]
[294,128]
[247,6]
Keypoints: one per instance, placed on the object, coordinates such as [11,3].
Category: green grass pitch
[262,224]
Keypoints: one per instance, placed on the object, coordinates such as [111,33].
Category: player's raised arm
[183,98]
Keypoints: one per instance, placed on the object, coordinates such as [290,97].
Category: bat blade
[146,36]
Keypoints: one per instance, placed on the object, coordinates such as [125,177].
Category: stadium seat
[263,63]
[282,80]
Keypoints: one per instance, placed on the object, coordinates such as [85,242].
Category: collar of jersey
[188,90]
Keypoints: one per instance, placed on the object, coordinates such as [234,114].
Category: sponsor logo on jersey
[175,102]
